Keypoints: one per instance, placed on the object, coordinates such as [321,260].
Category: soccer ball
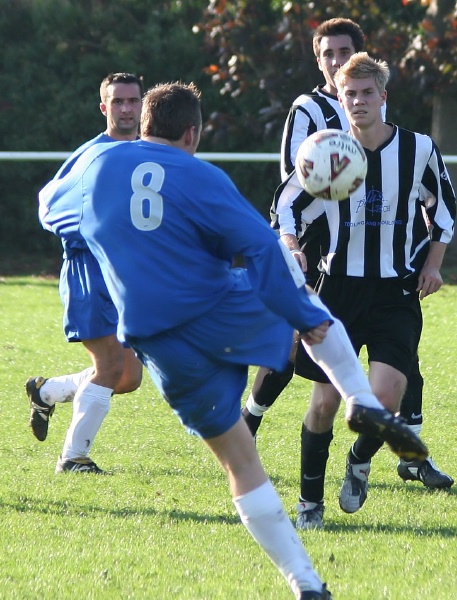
[331,164]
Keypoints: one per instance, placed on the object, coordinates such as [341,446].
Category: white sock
[90,407]
[263,515]
[254,408]
[416,429]
[64,387]
[337,358]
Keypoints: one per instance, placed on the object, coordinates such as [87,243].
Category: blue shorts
[89,312]
[201,367]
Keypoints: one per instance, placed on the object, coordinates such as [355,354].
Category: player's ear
[383,97]
[103,109]
[193,138]
[188,136]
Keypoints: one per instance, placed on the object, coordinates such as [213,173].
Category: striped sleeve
[293,208]
[438,196]
[308,114]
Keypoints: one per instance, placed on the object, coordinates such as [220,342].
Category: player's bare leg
[260,508]
[364,412]
[132,374]
[389,385]
[44,393]
[92,400]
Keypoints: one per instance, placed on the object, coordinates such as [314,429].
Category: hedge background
[249,58]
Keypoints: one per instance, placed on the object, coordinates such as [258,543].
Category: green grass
[163,525]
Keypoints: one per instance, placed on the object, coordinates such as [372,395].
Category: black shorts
[382,314]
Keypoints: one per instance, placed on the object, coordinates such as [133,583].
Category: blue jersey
[101,138]
[88,309]
[165,227]
[76,242]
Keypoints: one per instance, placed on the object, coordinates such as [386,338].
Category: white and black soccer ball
[331,164]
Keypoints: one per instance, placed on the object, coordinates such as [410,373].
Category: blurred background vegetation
[250,58]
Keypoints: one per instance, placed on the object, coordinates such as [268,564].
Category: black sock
[270,388]
[252,421]
[411,403]
[314,456]
[363,449]
[272,385]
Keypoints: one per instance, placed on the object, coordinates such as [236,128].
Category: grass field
[163,525]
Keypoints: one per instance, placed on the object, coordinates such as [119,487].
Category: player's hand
[316,335]
[430,281]
[301,259]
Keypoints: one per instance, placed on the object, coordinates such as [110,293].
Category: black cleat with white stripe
[324,594]
[389,428]
[426,472]
[40,412]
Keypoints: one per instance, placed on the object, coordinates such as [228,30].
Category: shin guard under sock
[364,448]
[314,457]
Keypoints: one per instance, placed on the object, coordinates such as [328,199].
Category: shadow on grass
[67,508]
[38,506]
[444,531]
[27,504]
[410,487]
[415,486]
[417,490]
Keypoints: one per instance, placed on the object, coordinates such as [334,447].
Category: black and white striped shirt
[383,229]
[310,113]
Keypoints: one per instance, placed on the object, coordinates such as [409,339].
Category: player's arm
[273,272]
[438,197]
[279,295]
[291,211]
[284,219]
[291,243]
[55,213]
[430,279]
[45,197]
[61,200]
[299,125]
[61,204]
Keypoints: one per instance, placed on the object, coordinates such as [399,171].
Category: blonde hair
[362,66]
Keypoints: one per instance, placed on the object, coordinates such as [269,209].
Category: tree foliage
[54,55]
[263,56]
[251,58]
[431,59]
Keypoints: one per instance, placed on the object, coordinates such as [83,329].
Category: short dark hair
[169,109]
[338,26]
[119,78]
